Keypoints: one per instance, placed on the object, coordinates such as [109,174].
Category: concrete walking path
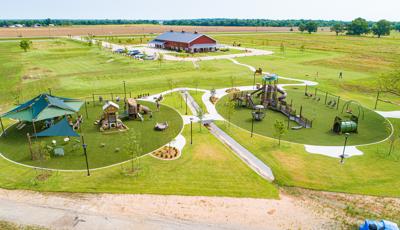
[257,165]
[253,162]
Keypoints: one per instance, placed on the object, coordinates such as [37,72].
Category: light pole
[182,99]
[124,95]
[84,151]
[252,124]
[124,90]
[254,81]
[346,136]
[186,96]
[191,130]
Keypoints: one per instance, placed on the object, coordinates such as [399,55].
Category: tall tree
[382,28]
[311,27]
[358,26]
[338,28]
[47,21]
[397,26]
[25,45]
[302,27]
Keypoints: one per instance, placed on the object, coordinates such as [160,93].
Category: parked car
[150,57]
[119,51]
[139,56]
[133,52]
[379,225]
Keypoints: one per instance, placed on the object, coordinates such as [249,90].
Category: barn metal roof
[184,37]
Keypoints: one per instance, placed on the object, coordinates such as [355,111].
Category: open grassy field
[372,126]
[15,145]
[73,69]
[128,40]
[374,173]
[361,59]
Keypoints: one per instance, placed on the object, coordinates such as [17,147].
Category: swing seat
[296,127]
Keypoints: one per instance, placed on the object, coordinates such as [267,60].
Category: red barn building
[189,42]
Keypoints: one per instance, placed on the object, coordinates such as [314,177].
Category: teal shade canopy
[61,129]
[44,107]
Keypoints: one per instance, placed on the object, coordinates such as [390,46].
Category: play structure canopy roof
[61,129]
[110,103]
[270,77]
[44,107]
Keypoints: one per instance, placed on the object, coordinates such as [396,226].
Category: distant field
[126,29]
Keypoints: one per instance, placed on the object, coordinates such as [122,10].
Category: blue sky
[178,9]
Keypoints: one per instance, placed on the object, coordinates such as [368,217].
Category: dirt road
[106,211]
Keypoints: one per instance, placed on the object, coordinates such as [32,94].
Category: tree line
[71,22]
[188,22]
[360,26]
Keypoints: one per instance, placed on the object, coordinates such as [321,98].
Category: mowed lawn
[361,59]
[374,173]
[59,65]
[372,127]
[206,168]
[104,148]
[74,69]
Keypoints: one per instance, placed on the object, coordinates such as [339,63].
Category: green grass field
[361,59]
[74,69]
[374,173]
[372,127]
[204,169]
[127,40]
[15,144]
[216,53]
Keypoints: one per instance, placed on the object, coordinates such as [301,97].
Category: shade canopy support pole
[2,127]
[34,128]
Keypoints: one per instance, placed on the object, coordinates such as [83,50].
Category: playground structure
[135,110]
[319,94]
[213,98]
[109,119]
[269,99]
[259,114]
[345,126]
[351,124]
